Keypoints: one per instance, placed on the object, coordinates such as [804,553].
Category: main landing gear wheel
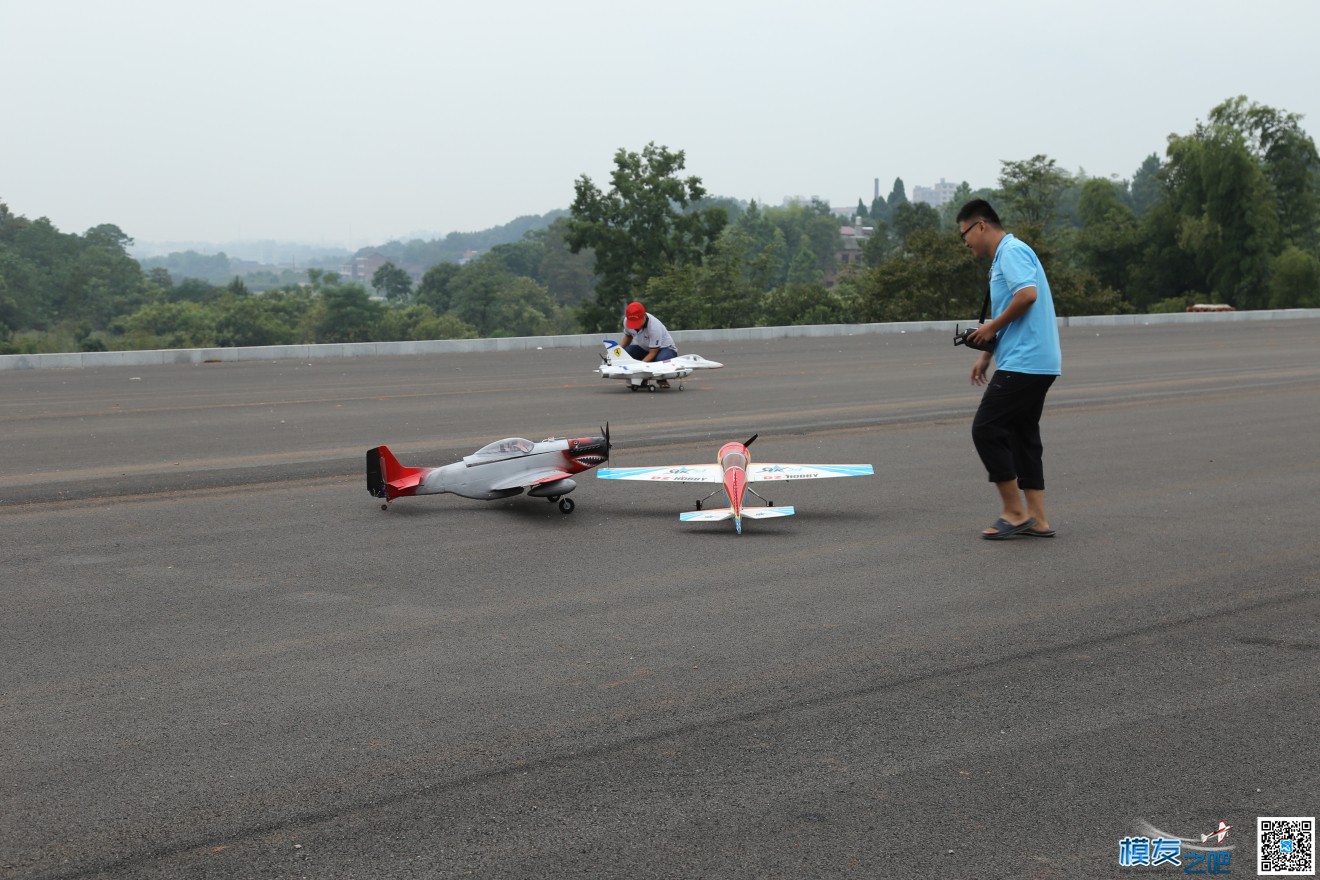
[698,505]
[650,388]
[566,505]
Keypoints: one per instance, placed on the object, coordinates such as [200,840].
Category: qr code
[1285,846]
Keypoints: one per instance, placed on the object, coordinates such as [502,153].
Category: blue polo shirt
[1031,343]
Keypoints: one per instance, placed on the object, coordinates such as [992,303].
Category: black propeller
[750,439]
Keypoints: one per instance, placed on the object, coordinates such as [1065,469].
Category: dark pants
[638,352]
[1006,430]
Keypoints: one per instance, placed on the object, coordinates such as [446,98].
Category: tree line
[1230,214]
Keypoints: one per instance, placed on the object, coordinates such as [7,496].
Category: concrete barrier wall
[76,360]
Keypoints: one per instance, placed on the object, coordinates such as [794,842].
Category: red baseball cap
[634,315]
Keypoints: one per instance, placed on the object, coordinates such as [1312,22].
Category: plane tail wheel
[566,505]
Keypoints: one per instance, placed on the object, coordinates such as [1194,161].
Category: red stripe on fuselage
[734,459]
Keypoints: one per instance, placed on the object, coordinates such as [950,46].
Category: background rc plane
[618,364]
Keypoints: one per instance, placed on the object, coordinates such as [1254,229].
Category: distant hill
[220,263]
[418,255]
[264,252]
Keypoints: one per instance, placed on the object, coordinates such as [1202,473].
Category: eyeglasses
[962,233]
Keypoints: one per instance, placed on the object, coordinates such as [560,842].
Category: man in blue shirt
[1006,429]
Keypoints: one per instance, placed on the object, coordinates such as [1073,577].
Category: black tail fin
[375,475]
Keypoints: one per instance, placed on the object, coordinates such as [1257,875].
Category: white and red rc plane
[734,471]
[618,364]
[497,470]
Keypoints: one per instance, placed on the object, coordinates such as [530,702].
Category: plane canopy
[504,448]
[734,458]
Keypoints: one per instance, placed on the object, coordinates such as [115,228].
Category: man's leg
[1036,509]
[1028,450]
[995,432]
[664,354]
[1011,507]
[993,428]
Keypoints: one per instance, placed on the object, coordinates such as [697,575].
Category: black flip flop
[1004,529]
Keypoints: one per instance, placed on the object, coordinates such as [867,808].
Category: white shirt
[652,334]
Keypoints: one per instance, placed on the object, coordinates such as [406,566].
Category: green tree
[569,277]
[879,210]
[195,290]
[1081,293]
[251,320]
[1162,269]
[823,231]
[1109,244]
[443,327]
[725,291]
[879,245]
[804,268]
[897,195]
[640,228]
[171,325]
[1288,159]
[523,307]
[1227,215]
[494,301]
[1146,187]
[910,217]
[433,290]
[807,304]
[1030,191]
[1295,280]
[348,313]
[521,257]
[419,322]
[392,282]
[949,210]
[933,278]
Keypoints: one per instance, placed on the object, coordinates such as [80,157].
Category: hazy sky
[355,123]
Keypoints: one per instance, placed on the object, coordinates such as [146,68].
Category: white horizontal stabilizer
[767,512]
[722,513]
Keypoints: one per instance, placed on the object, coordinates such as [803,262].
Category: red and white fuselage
[733,460]
[497,470]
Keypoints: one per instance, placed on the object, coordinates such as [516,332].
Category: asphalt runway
[222,659]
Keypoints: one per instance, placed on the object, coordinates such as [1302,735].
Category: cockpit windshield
[505,448]
[734,459]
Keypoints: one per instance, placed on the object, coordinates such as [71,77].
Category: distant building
[363,267]
[801,201]
[849,254]
[936,196]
